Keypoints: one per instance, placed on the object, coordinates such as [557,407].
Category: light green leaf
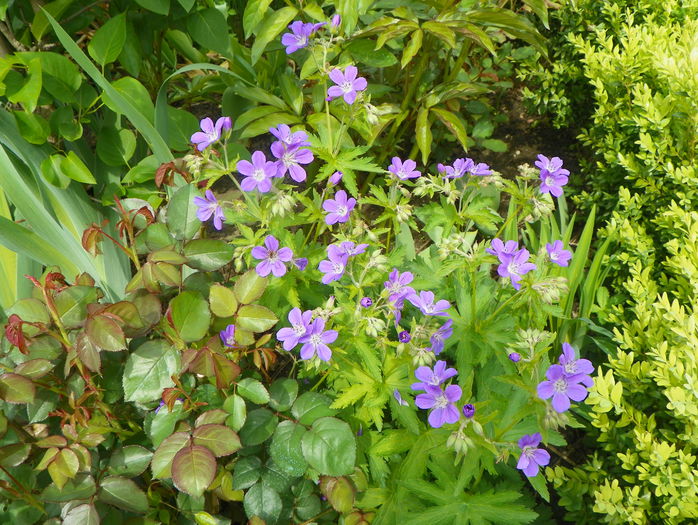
[270,28]
[253,390]
[148,370]
[330,447]
[208,254]
[190,315]
[108,40]
[254,12]
[412,47]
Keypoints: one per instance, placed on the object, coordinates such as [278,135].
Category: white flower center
[299,329]
[230,340]
[347,87]
[441,402]
[259,175]
[315,340]
[337,268]
[560,385]
[342,210]
[549,181]
[528,451]
[288,159]
[571,368]
[513,268]
[553,256]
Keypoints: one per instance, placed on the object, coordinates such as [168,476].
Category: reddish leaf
[161,465]
[88,353]
[219,439]
[13,332]
[193,469]
[105,333]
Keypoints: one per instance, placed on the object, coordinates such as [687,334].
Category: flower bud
[468,410]
[515,357]
[335,178]
[366,302]
[404,336]
[336,21]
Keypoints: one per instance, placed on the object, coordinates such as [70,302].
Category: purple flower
[516,267]
[347,84]
[462,166]
[336,21]
[398,398]
[290,158]
[333,267]
[209,133]
[351,249]
[288,137]
[226,123]
[300,323]
[273,258]
[209,206]
[437,338]
[532,457]
[397,286]
[228,336]
[576,367]
[552,176]
[366,302]
[468,410]
[335,178]
[442,402]
[301,263]
[316,340]
[404,170]
[404,337]
[298,37]
[558,254]
[425,302]
[561,388]
[258,173]
[501,250]
[435,377]
[339,208]
[514,357]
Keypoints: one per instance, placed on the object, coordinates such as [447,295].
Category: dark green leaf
[130,461]
[81,487]
[283,393]
[311,406]
[253,390]
[330,447]
[181,213]
[264,502]
[246,473]
[85,514]
[123,493]
[161,7]
[260,425]
[364,52]
[208,254]
[285,448]
[209,28]
[108,40]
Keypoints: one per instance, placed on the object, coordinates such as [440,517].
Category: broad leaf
[123,493]
[219,439]
[193,469]
[330,447]
[148,370]
[190,315]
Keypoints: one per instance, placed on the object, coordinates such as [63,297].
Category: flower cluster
[208,207]
[311,333]
[531,456]
[300,34]
[441,402]
[566,380]
[337,258]
[513,261]
[552,175]
[462,166]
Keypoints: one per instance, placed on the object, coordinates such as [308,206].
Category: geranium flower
[404,170]
[558,254]
[299,36]
[438,338]
[316,340]
[290,159]
[258,173]
[347,84]
[333,267]
[300,323]
[207,207]
[442,401]
[501,250]
[553,177]
[397,285]
[574,367]
[210,132]
[339,208]
[515,267]
[273,258]
[433,377]
[561,388]
[532,457]
[425,302]
[228,336]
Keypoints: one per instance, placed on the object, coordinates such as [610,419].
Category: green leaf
[16,389]
[364,52]
[255,318]
[71,304]
[28,94]
[270,28]
[73,167]
[246,472]
[161,464]
[14,455]
[253,14]
[209,28]
[123,493]
[495,145]
[311,406]
[441,31]
[260,425]
[161,7]
[81,487]
[34,128]
[130,461]
[219,439]
[540,486]
[163,423]
[108,40]
[139,120]
[208,254]
[412,47]
[180,123]
[85,514]
[264,502]
[283,393]
[329,447]
[193,469]
[249,287]
[236,407]
[181,213]
[105,333]
[454,125]
[148,370]
[424,136]
[115,147]
[135,94]
[253,390]
[222,301]
[285,448]
[190,315]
